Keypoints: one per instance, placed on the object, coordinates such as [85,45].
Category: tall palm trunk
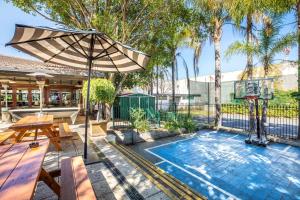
[298,31]
[250,70]
[173,108]
[217,45]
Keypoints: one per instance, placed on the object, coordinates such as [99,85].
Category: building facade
[61,90]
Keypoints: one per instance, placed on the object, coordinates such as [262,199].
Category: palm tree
[246,10]
[188,82]
[214,15]
[270,43]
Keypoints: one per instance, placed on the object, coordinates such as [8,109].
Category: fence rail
[282,120]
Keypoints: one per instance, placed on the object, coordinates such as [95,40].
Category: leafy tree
[145,25]
[101,91]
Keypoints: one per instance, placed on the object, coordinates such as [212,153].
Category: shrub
[190,125]
[172,125]
[181,121]
[138,120]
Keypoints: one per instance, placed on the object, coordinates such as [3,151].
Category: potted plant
[102,94]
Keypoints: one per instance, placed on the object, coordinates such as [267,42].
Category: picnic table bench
[64,130]
[4,136]
[35,123]
[75,183]
[21,169]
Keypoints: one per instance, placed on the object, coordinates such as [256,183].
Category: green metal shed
[123,104]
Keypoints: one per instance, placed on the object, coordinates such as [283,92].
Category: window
[35,97]
[54,98]
[9,98]
[22,97]
[66,98]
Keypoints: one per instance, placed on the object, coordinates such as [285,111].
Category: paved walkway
[133,176]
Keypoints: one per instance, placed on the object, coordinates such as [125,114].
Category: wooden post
[44,176]
[14,97]
[60,98]
[29,97]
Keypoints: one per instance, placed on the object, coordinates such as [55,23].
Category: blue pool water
[220,165]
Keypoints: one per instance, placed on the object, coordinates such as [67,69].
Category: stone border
[132,136]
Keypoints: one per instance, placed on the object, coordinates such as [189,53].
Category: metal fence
[282,120]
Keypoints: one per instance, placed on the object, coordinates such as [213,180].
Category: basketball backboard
[261,88]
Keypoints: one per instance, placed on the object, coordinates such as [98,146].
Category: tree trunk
[99,112]
[107,112]
[217,44]
[173,107]
[250,71]
[298,31]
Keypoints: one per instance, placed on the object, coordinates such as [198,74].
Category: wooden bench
[64,130]
[7,135]
[75,183]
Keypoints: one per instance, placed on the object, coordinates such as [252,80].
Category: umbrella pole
[87,111]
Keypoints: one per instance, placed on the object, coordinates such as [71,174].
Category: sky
[10,15]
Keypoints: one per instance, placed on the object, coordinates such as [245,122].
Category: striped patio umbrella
[80,49]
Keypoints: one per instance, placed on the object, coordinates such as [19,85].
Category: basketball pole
[257,119]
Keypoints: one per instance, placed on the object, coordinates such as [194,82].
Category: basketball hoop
[251,97]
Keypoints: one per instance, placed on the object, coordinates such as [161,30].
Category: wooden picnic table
[44,123]
[21,169]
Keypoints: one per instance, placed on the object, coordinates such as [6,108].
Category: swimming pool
[220,165]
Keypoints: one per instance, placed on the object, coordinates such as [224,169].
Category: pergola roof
[10,64]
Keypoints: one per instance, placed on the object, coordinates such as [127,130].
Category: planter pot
[98,128]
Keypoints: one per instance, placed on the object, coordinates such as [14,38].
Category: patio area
[112,177]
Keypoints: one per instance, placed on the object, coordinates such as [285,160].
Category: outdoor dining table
[21,169]
[44,123]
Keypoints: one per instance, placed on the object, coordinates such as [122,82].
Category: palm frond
[240,48]
[197,54]
[289,40]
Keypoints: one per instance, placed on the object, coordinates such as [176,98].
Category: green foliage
[189,124]
[181,121]
[151,26]
[284,104]
[138,120]
[283,98]
[280,98]
[173,125]
[101,91]
[270,43]
[272,111]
